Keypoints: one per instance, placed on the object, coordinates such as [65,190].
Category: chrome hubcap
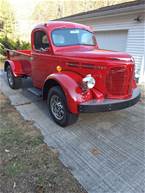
[57,107]
[10,77]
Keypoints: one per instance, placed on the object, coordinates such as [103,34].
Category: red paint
[113,71]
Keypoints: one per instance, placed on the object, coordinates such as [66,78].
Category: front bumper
[109,104]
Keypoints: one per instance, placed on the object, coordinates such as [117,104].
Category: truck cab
[73,73]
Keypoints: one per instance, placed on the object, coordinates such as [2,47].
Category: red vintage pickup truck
[72,73]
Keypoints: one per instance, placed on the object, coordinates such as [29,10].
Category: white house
[119,27]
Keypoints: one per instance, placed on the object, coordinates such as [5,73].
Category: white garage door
[112,40]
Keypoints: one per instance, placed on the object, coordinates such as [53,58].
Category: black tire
[58,109]
[14,82]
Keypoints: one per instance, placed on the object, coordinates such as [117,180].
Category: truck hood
[111,81]
[99,54]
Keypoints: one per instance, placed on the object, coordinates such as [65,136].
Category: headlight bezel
[88,82]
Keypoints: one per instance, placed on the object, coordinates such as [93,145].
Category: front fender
[70,84]
[15,66]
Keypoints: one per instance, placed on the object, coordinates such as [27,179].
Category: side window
[40,40]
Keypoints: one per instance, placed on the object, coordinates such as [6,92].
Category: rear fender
[15,66]
[70,84]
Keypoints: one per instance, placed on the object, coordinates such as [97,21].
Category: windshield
[70,37]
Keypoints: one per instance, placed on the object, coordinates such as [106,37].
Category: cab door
[42,58]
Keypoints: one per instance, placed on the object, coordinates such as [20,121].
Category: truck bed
[21,60]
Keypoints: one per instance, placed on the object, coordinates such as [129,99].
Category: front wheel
[14,82]
[58,109]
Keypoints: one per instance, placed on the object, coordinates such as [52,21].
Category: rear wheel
[14,82]
[58,109]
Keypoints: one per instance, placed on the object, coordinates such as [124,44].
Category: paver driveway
[104,151]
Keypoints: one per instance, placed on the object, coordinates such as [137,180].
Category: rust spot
[95,151]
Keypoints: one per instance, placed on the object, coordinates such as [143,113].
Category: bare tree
[50,9]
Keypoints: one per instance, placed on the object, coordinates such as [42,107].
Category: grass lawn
[27,165]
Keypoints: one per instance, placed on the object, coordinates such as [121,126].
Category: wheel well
[6,64]
[48,85]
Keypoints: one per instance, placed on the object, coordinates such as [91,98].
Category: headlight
[89,81]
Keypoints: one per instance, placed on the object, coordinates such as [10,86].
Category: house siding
[136,47]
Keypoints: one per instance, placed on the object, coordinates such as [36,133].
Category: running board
[35,91]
